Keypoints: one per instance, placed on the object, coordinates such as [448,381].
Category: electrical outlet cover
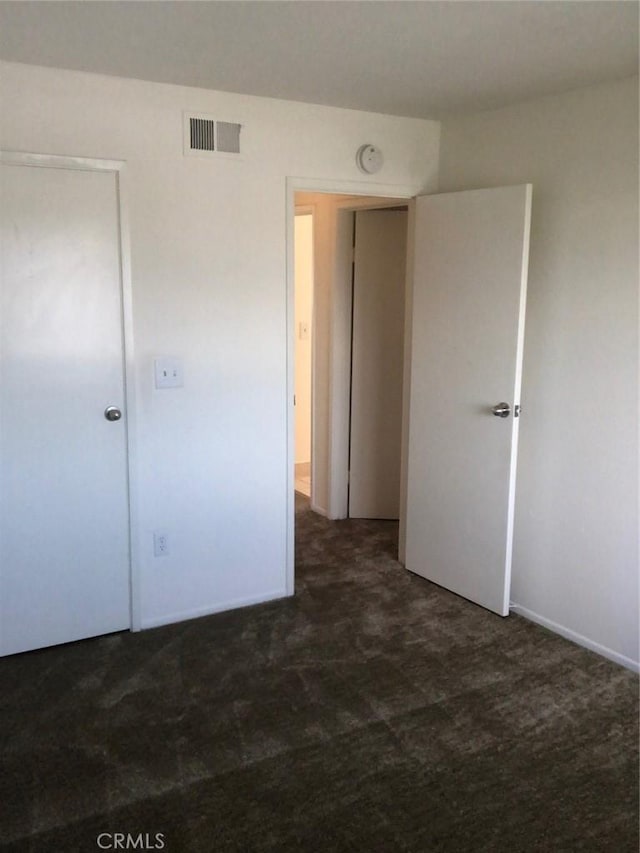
[160,544]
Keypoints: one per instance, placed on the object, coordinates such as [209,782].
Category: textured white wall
[209,265]
[576,537]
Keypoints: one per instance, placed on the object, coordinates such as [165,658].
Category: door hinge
[294,399]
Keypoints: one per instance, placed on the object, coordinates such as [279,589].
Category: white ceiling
[420,59]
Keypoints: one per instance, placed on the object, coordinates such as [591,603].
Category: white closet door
[63,468]
[377,363]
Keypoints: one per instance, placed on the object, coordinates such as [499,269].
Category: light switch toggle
[168,373]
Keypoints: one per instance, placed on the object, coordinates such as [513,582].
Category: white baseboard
[629,663]
[197,612]
[318,509]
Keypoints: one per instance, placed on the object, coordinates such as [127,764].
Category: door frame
[340,337]
[118,168]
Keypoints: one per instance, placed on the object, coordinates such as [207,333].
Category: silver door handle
[501,410]
[112,413]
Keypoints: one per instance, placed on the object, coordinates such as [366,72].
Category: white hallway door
[377,363]
[469,295]
[64,520]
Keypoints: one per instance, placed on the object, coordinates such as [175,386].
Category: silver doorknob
[501,410]
[111,413]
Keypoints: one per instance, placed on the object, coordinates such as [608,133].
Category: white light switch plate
[168,373]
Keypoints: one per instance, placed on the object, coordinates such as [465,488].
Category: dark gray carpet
[373,712]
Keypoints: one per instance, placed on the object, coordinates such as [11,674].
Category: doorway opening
[467,259]
[348,342]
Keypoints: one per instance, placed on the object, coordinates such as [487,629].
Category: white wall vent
[207,136]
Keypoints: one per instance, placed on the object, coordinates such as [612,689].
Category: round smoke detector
[369,159]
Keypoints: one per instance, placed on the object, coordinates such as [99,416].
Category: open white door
[377,363]
[469,295]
